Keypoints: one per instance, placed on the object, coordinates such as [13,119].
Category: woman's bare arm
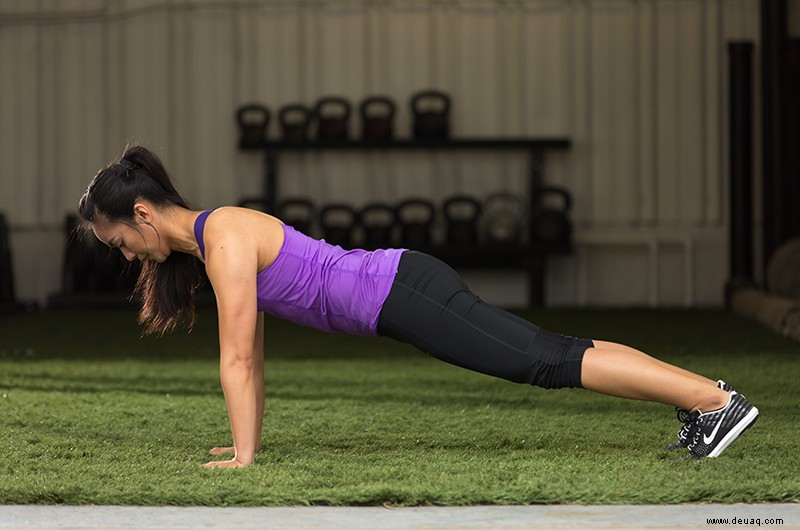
[231,265]
[258,375]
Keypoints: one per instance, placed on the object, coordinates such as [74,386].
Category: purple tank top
[323,286]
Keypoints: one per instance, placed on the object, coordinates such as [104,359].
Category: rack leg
[270,181]
[536,265]
[536,272]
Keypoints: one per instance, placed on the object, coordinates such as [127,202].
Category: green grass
[90,413]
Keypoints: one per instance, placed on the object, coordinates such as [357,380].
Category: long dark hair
[166,290]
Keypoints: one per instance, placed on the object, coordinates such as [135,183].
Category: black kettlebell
[295,120]
[253,121]
[462,214]
[337,222]
[379,221]
[377,113]
[332,115]
[503,217]
[431,110]
[551,225]
[297,213]
[416,217]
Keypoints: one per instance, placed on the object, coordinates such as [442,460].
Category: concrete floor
[428,518]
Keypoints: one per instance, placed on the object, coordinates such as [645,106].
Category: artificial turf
[90,413]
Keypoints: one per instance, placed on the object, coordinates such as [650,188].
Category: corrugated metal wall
[638,85]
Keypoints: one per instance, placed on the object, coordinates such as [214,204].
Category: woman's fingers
[224,464]
[223,451]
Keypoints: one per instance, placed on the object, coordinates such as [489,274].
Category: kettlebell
[551,225]
[461,213]
[295,120]
[297,213]
[377,113]
[430,123]
[416,217]
[379,221]
[332,115]
[337,222]
[253,121]
[503,216]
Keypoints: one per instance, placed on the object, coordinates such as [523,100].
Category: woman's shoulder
[244,219]
[248,229]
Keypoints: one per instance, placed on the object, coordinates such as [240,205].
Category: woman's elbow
[243,361]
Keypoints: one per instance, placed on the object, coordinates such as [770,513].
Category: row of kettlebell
[498,220]
[331,116]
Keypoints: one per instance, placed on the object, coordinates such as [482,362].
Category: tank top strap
[199,226]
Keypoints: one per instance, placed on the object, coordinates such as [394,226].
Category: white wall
[638,85]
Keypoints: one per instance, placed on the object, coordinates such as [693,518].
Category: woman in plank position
[257,265]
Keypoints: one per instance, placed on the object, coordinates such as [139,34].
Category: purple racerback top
[316,284]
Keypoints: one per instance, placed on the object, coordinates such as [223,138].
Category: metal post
[270,181]
[741,159]
[536,266]
[773,42]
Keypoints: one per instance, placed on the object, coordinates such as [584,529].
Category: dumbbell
[295,120]
[416,217]
[503,217]
[297,213]
[332,115]
[379,221]
[337,222]
[462,215]
[253,122]
[431,122]
[377,113]
[551,225]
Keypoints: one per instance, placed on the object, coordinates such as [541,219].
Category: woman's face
[136,240]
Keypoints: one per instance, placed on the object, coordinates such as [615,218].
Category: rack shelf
[529,256]
[400,144]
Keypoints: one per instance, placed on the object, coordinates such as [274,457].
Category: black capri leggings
[430,307]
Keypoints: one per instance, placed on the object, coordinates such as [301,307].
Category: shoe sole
[734,433]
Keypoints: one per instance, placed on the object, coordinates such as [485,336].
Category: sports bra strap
[199,226]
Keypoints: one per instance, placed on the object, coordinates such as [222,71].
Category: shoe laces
[689,420]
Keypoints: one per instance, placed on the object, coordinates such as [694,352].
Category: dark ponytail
[166,290]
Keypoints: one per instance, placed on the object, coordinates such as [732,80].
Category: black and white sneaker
[716,430]
[689,420]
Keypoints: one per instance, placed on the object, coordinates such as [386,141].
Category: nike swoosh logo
[708,439]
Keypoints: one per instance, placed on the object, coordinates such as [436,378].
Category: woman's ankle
[714,399]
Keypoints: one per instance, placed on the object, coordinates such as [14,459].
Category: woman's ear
[142,213]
